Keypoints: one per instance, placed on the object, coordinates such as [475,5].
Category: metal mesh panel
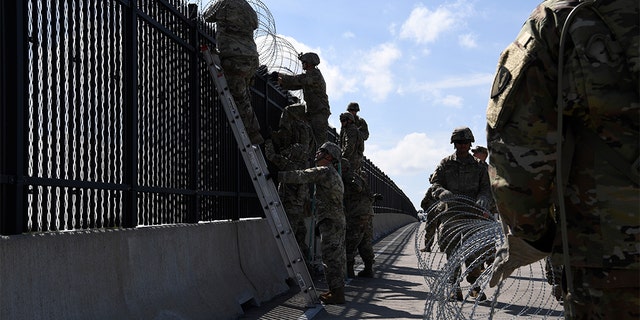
[121,123]
[74,123]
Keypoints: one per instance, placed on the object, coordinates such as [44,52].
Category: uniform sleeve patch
[500,82]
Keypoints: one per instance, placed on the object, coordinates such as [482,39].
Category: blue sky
[418,69]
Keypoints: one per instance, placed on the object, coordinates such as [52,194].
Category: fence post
[13,93]
[130,202]
[193,212]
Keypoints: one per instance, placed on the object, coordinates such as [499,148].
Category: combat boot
[334,296]
[456,295]
[367,272]
[350,273]
[477,293]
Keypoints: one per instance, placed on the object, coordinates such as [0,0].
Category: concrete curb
[173,272]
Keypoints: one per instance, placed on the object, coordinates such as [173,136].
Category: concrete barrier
[385,223]
[204,271]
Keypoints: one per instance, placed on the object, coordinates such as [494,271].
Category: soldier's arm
[439,182]
[349,145]
[522,130]
[294,82]
[311,175]
[364,129]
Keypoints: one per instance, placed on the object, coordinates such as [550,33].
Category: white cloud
[414,153]
[436,90]
[348,35]
[376,70]
[467,40]
[410,162]
[463,81]
[451,101]
[338,83]
[425,25]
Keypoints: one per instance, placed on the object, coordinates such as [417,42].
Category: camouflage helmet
[347,116]
[353,106]
[462,134]
[310,58]
[332,149]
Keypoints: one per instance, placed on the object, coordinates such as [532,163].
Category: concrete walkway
[400,291]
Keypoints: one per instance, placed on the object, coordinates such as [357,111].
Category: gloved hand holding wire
[445,195]
[483,202]
[513,254]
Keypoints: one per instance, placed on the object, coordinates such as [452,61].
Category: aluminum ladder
[265,188]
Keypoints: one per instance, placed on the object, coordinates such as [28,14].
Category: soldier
[351,142]
[460,174]
[290,148]
[235,22]
[330,215]
[481,153]
[314,90]
[563,136]
[428,206]
[358,201]
[361,124]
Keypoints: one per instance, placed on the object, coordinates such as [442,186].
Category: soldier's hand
[274,76]
[446,194]
[269,150]
[483,202]
[513,254]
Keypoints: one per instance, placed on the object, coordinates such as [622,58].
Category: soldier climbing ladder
[265,188]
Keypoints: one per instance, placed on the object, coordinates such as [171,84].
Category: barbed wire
[275,52]
[463,239]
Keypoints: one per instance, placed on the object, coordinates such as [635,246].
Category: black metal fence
[108,120]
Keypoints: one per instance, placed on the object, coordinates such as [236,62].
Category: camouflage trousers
[239,72]
[450,246]
[319,124]
[359,239]
[332,232]
[294,198]
[594,300]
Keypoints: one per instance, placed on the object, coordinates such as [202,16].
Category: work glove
[269,150]
[483,202]
[274,76]
[513,254]
[445,194]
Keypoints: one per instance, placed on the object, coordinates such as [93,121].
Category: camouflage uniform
[363,127]
[365,248]
[235,22]
[314,89]
[601,112]
[330,216]
[352,145]
[427,205]
[463,177]
[358,202]
[294,144]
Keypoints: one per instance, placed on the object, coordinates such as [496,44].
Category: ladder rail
[265,188]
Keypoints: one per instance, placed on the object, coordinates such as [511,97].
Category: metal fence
[109,120]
